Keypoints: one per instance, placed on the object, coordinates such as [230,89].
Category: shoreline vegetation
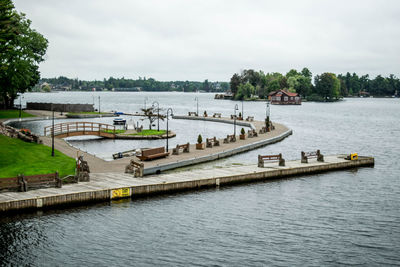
[14,113]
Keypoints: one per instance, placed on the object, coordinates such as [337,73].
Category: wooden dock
[108,186]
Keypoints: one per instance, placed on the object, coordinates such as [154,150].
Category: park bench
[314,154]
[135,168]
[263,130]
[185,149]
[217,115]
[24,183]
[234,117]
[252,133]
[212,141]
[190,113]
[250,118]
[153,153]
[262,159]
[205,113]
[229,138]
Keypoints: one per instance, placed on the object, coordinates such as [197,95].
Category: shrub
[242,131]
[199,139]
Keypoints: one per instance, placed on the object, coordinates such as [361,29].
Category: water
[347,217]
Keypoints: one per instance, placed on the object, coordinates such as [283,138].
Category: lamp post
[242,110]
[20,105]
[267,113]
[52,132]
[145,100]
[158,115]
[167,123]
[234,119]
[197,101]
[99,104]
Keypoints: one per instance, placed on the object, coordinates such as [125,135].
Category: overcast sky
[210,39]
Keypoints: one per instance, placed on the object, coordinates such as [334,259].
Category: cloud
[197,40]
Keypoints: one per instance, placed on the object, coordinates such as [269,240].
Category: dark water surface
[347,217]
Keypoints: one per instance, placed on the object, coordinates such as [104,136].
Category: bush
[242,131]
[199,139]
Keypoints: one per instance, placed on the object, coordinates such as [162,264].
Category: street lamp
[158,114]
[20,105]
[242,110]
[52,131]
[267,113]
[234,121]
[197,100]
[145,100]
[167,123]
[99,104]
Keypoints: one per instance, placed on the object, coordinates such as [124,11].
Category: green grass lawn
[19,157]
[117,131]
[151,132]
[13,113]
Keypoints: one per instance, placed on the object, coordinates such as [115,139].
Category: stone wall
[60,107]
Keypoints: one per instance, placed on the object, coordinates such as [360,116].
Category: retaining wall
[60,107]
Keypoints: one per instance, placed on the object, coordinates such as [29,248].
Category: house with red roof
[282,97]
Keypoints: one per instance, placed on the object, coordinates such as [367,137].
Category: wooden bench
[192,114]
[153,153]
[205,113]
[250,118]
[135,168]
[185,148]
[212,141]
[263,130]
[217,115]
[234,116]
[24,183]
[314,154]
[252,133]
[262,159]
[229,138]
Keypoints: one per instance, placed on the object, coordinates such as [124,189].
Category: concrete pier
[108,186]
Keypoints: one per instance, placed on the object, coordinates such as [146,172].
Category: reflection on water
[346,217]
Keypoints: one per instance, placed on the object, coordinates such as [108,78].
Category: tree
[151,114]
[22,49]
[235,82]
[327,86]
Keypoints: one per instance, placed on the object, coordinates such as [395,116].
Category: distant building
[281,97]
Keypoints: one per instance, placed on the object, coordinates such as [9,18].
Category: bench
[212,141]
[263,130]
[229,138]
[262,159]
[250,118]
[314,154]
[205,113]
[185,148]
[153,153]
[217,115]
[192,114]
[234,117]
[252,133]
[135,168]
[24,183]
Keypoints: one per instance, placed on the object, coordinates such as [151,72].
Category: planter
[242,137]
[200,146]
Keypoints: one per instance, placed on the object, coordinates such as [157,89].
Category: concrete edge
[238,122]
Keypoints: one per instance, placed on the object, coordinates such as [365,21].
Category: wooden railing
[80,128]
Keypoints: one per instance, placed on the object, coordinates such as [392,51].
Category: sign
[354,156]
[120,193]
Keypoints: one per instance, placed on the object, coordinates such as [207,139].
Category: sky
[212,39]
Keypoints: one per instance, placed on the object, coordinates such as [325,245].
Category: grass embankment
[19,157]
[150,132]
[13,113]
[116,131]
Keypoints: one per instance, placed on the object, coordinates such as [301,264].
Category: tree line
[250,84]
[150,84]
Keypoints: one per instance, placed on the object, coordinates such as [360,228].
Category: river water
[347,217]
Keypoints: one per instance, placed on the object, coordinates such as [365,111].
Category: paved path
[98,165]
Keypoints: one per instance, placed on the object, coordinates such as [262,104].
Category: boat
[119,121]
[120,155]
